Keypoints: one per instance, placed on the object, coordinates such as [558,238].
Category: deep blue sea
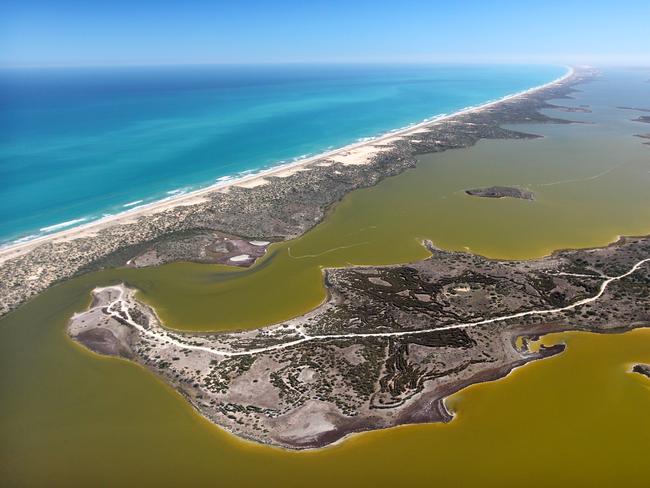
[78,144]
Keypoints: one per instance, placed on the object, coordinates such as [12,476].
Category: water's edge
[176,196]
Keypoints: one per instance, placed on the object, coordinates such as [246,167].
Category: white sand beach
[357,153]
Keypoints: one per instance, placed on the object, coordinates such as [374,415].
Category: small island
[644,136]
[501,192]
[636,109]
[642,118]
[643,369]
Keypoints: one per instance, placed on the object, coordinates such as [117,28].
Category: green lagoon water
[72,418]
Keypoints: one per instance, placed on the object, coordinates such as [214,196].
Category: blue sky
[118,32]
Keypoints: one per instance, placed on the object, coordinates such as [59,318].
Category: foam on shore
[247,178]
[62,225]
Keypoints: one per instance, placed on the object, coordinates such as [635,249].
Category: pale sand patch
[308,421]
[390,140]
[252,183]
[421,130]
[306,375]
[36,274]
[259,243]
[359,155]
[240,258]
[290,171]
[378,281]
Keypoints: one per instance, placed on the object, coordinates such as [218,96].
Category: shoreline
[214,224]
[221,364]
[21,246]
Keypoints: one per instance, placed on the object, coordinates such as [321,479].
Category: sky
[140,32]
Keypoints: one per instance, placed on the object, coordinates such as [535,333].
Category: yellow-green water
[68,417]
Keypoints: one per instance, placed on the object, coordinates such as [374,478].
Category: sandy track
[119,309]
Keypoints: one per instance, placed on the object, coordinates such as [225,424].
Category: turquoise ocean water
[79,144]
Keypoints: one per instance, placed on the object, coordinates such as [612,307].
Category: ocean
[579,418]
[78,144]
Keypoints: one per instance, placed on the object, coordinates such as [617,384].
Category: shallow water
[578,419]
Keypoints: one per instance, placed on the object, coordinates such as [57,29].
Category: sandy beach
[220,222]
[357,153]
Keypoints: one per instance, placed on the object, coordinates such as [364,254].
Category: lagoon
[78,144]
[68,414]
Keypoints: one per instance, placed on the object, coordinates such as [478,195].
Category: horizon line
[275,63]
[313,63]
[513,62]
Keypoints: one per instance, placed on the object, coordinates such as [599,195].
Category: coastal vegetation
[584,201]
[501,192]
[386,348]
[253,209]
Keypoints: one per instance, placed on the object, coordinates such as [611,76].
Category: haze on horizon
[122,32]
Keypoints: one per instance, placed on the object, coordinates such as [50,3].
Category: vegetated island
[644,136]
[501,192]
[584,109]
[275,205]
[642,118]
[388,344]
[636,109]
[643,369]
